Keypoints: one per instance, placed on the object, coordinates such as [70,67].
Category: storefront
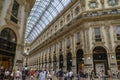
[100,60]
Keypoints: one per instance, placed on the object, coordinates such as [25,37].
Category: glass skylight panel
[54,13]
[42,13]
[36,30]
[34,33]
[37,2]
[66,2]
[32,22]
[59,8]
[45,20]
[39,27]
[42,24]
[33,19]
[31,37]
[48,14]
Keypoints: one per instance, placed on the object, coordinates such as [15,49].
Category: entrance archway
[100,60]
[61,61]
[69,61]
[117,50]
[79,61]
[8,42]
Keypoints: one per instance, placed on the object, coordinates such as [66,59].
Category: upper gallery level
[77,10]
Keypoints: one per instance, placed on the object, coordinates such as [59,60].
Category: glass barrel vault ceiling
[42,13]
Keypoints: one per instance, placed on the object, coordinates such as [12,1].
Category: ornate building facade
[13,17]
[84,36]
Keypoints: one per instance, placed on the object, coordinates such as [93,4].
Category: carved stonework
[108,37]
[102,3]
[82,4]
[98,43]
[78,47]
[1,6]
[68,50]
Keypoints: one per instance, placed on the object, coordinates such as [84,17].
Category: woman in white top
[18,74]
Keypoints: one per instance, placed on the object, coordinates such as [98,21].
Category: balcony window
[97,34]
[112,2]
[51,31]
[93,4]
[61,45]
[78,38]
[68,42]
[15,12]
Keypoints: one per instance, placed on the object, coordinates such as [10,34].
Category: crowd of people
[44,74]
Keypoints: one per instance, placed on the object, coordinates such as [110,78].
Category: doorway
[69,61]
[79,61]
[100,60]
[61,61]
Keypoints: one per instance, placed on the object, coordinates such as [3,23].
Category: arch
[9,35]
[15,31]
[107,50]
[100,60]
[69,61]
[60,61]
[117,51]
[79,61]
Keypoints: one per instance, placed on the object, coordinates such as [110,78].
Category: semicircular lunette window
[8,35]
[42,13]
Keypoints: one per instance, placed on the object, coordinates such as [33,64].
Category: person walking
[18,74]
[7,73]
[71,75]
[23,75]
[60,74]
[2,73]
[49,75]
[42,75]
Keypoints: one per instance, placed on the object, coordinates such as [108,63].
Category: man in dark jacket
[60,74]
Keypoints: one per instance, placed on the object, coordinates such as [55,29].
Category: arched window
[8,35]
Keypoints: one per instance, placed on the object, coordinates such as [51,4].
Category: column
[112,61]
[73,53]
